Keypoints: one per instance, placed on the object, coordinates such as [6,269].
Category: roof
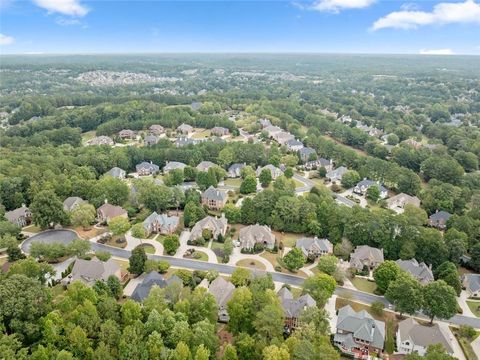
[272,129]
[236,166]
[164,220]
[219,129]
[115,172]
[253,234]
[91,271]
[404,199]
[69,202]
[214,194]
[312,244]
[307,151]
[293,308]
[147,166]
[275,171]
[222,290]
[294,142]
[171,165]
[324,162]
[420,335]
[472,282]
[362,325]
[101,140]
[365,252]
[216,225]
[153,278]
[337,173]
[367,183]
[13,215]
[151,139]
[440,215]
[110,211]
[185,127]
[205,165]
[419,271]
[157,128]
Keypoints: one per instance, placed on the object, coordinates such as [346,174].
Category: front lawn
[298,184]
[251,263]
[201,134]
[233,182]
[197,255]
[364,285]
[149,249]
[474,306]
[32,229]
[465,344]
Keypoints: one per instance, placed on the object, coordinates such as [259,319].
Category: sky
[447,27]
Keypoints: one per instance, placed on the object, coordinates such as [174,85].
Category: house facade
[217,226]
[161,224]
[214,199]
[20,216]
[314,247]
[362,187]
[366,256]
[107,211]
[256,234]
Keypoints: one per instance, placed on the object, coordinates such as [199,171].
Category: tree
[343,249]
[47,209]
[320,287]
[202,353]
[265,177]
[448,272]
[385,273]
[232,213]
[269,321]
[294,259]
[373,193]
[434,352]
[32,269]
[392,139]
[229,353]
[192,213]
[274,352]
[249,185]
[103,255]
[405,293]
[457,243]
[137,260]
[109,188]
[78,248]
[171,243]
[83,215]
[350,179]
[118,225]
[241,277]
[138,231]
[14,253]
[327,264]
[439,300]
[174,177]
[475,253]
[288,173]
[240,311]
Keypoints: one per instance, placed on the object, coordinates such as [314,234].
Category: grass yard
[124,264]
[201,134]
[474,306]
[149,249]
[32,229]
[233,182]
[113,242]
[198,255]
[364,285]
[288,239]
[298,184]
[89,135]
[251,263]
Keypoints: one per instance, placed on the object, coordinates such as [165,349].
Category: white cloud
[67,22]
[335,6]
[66,7]
[6,40]
[436,52]
[442,13]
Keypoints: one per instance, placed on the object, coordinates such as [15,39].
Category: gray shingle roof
[253,234]
[293,308]
[214,194]
[164,220]
[171,165]
[306,244]
[14,215]
[222,290]
[116,172]
[440,215]
[472,282]
[424,336]
[367,183]
[72,201]
[216,225]
[146,166]
[90,271]
[205,165]
[153,278]
[337,173]
[419,271]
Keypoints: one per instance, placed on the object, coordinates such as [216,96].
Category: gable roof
[403,199]
[153,278]
[110,211]
[440,215]
[14,215]
[115,172]
[90,271]
[164,220]
[471,282]
[312,244]
[171,165]
[365,252]
[147,166]
[367,183]
[222,290]
[214,194]
[71,201]
[337,173]
[253,234]
[419,271]
[420,335]
[294,142]
[293,308]
[205,165]
[216,225]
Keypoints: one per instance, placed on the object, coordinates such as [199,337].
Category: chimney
[105,201]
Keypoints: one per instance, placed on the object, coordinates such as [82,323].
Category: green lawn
[298,184]
[288,239]
[32,229]
[474,306]
[233,182]
[201,134]
[198,255]
[149,249]
[364,285]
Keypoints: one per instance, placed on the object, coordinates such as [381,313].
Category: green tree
[373,193]
[288,173]
[14,253]
[265,177]
[78,248]
[327,264]
[137,260]
[274,352]
[32,269]
[405,293]
[448,272]
[192,213]
[138,231]
[350,179]
[240,311]
[83,215]
[320,287]
[294,259]
[249,185]
[385,273]
[232,213]
[434,352]
[229,352]
[174,177]
[118,225]
[439,300]
[171,243]
[115,287]
[241,277]
[47,209]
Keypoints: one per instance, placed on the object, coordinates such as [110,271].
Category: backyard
[288,239]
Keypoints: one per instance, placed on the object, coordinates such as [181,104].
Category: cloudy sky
[328,26]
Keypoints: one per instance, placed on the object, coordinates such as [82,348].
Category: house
[414,144]
[317,164]
[366,256]
[293,308]
[439,219]
[337,174]
[471,283]
[276,172]
[294,145]
[127,134]
[219,131]
[256,234]
[71,203]
[153,278]
[358,333]
[307,153]
[217,226]
[283,137]
[362,187]
[172,165]
[346,119]
[107,211]
[101,140]
[264,122]
[185,129]
[222,290]
[182,141]
[196,105]
[116,172]
[151,140]
[156,130]
[271,130]
[161,224]
[20,216]
[90,271]
[314,247]
[420,271]
[235,170]
[146,168]
[205,165]
[214,199]
[413,337]
[399,201]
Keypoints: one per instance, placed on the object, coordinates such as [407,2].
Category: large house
[235,170]
[413,337]
[307,153]
[116,172]
[146,168]
[153,278]
[439,219]
[91,271]
[70,203]
[127,134]
[362,187]
[399,201]
[319,163]
[217,226]
[107,212]
[182,141]
[358,333]
[161,224]
[256,234]
[420,271]
[272,130]
[222,290]
[151,140]
[337,174]
[276,172]
[20,216]
[172,165]
[101,140]
[185,129]
[366,256]
[294,145]
[214,199]
[264,122]
[283,137]
[219,131]
[314,247]
[293,308]
[471,283]
[156,130]
[205,165]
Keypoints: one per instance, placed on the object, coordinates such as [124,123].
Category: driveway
[462,301]
[133,242]
[363,202]
[307,184]
[184,236]
[332,313]
[457,350]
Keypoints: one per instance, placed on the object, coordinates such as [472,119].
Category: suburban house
[399,201]
[256,234]
[307,153]
[293,308]
[283,137]
[205,165]
[72,202]
[222,290]
[90,271]
[182,141]
[146,168]
[358,333]
[101,140]
[420,271]
[107,211]
[219,131]
[151,279]
[161,224]
[127,134]
[185,129]
[151,140]
[235,170]
[116,172]
[414,144]
[314,247]
[156,130]
[337,174]
[365,255]
[214,199]
[172,165]
[264,122]
[317,164]
[413,337]
[362,187]
[471,283]
[217,226]
[276,172]
[439,219]
[294,145]
[20,216]
[271,130]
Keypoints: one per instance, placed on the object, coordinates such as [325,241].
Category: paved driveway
[51,236]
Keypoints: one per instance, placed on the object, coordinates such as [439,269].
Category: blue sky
[326,26]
